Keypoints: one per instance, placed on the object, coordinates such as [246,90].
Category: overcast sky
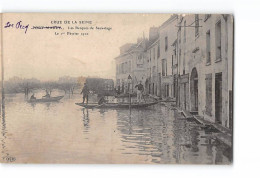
[43,55]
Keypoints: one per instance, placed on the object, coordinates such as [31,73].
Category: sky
[43,55]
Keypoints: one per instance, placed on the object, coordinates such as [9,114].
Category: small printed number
[10,159]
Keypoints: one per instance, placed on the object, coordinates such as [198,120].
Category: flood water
[62,132]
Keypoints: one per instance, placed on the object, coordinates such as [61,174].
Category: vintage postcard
[117,88]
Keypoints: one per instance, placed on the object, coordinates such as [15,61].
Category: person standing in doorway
[140,89]
[85,92]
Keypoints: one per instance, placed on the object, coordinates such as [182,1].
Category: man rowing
[33,97]
[140,89]
[47,95]
[85,92]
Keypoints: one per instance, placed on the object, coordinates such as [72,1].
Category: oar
[98,105]
[143,97]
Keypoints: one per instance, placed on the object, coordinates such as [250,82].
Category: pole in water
[143,97]
[129,78]
[129,100]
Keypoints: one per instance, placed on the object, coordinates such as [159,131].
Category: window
[150,55]
[153,53]
[174,88]
[166,43]
[218,41]
[139,61]
[154,71]
[158,50]
[121,68]
[140,56]
[184,38]
[139,65]
[184,63]
[180,57]
[166,90]
[174,48]
[172,64]
[124,69]
[208,94]
[155,92]
[164,67]
[208,55]
[197,25]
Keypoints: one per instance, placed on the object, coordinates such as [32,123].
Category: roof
[172,18]
[152,42]
[131,49]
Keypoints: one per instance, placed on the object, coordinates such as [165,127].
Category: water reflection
[62,132]
[5,153]
[85,120]
[167,137]
[144,132]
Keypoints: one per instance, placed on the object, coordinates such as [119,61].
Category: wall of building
[133,60]
[169,30]
[190,79]
[152,69]
[194,56]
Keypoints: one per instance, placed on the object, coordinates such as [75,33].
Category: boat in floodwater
[116,105]
[44,100]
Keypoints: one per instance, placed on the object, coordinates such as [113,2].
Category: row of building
[189,59]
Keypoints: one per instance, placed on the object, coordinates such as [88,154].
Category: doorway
[218,97]
[194,90]
[153,89]
[167,90]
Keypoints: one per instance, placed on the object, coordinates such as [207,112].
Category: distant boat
[116,105]
[42,100]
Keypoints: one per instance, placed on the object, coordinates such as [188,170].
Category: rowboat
[44,100]
[116,105]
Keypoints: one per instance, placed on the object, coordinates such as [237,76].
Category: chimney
[125,48]
[153,33]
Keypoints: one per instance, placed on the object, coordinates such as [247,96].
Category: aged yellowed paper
[117,88]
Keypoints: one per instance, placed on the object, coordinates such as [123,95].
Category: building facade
[188,59]
[131,61]
[205,50]
[153,85]
[167,59]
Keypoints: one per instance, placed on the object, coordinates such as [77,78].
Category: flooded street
[62,132]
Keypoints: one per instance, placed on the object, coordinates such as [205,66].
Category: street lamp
[129,79]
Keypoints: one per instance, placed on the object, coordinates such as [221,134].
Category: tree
[49,86]
[68,84]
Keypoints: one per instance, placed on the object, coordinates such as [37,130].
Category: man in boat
[32,97]
[47,95]
[140,89]
[102,100]
[85,92]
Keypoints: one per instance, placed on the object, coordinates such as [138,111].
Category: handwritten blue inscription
[18,25]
